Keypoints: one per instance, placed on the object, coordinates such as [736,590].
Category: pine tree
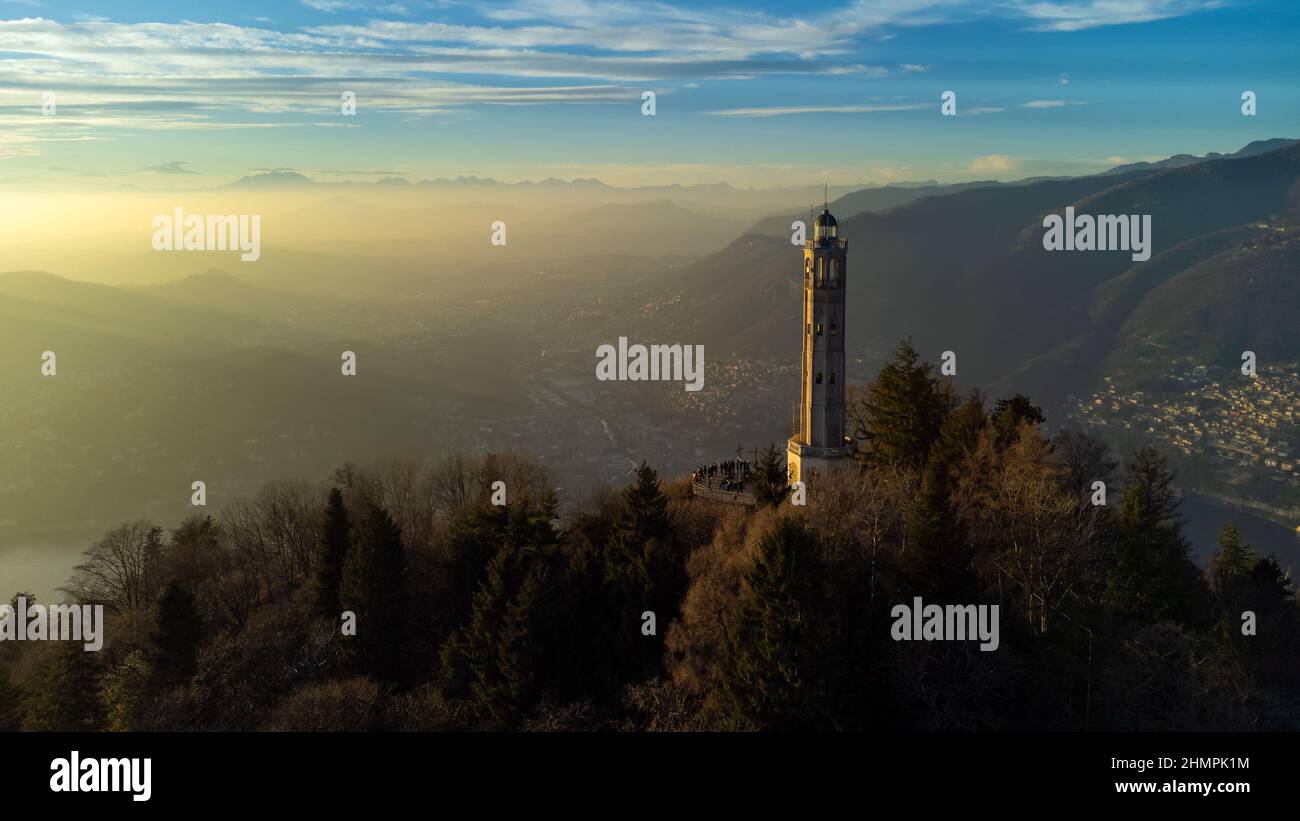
[1010,414]
[65,695]
[1236,558]
[1229,572]
[496,659]
[936,555]
[770,483]
[371,588]
[642,572]
[194,548]
[775,669]
[905,409]
[333,548]
[959,435]
[645,508]
[1153,577]
[179,630]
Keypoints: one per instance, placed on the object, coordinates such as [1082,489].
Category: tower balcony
[826,243]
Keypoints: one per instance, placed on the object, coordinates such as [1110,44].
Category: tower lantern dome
[826,226]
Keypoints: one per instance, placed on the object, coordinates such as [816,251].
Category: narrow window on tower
[819,377]
[819,329]
[835,329]
[835,273]
[821,273]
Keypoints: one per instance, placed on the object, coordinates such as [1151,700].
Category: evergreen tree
[179,629]
[333,548]
[770,484]
[642,572]
[775,669]
[645,508]
[937,557]
[1230,570]
[959,435]
[495,659]
[193,551]
[904,410]
[65,695]
[371,588]
[1010,414]
[1153,578]
[477,535]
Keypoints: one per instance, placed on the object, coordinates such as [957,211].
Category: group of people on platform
[731,474]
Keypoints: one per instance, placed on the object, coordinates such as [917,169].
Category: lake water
[39,565]
[1206,518]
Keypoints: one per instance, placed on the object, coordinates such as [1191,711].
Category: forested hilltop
[473,615]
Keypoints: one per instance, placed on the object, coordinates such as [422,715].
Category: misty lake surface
[1206,518]
[39,565]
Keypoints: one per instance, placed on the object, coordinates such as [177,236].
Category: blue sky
[153,94]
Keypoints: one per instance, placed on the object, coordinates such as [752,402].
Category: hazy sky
[185,94]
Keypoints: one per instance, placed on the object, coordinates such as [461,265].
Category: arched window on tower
[821,273]
[835,273]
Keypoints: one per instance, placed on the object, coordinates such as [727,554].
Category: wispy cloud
[780,111]
[1076,16]
[332,6]
[113,78]
[1052,103]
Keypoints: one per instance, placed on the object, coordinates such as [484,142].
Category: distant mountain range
[284,178]
[892,196]
[964,269]
[1180,160]
[239,374]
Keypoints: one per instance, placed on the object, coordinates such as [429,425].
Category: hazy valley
[186,366]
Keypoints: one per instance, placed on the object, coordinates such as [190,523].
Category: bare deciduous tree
[122,571]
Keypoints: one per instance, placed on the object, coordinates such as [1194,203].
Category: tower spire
[826,196]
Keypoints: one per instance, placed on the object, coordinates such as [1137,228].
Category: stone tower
[820,444]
